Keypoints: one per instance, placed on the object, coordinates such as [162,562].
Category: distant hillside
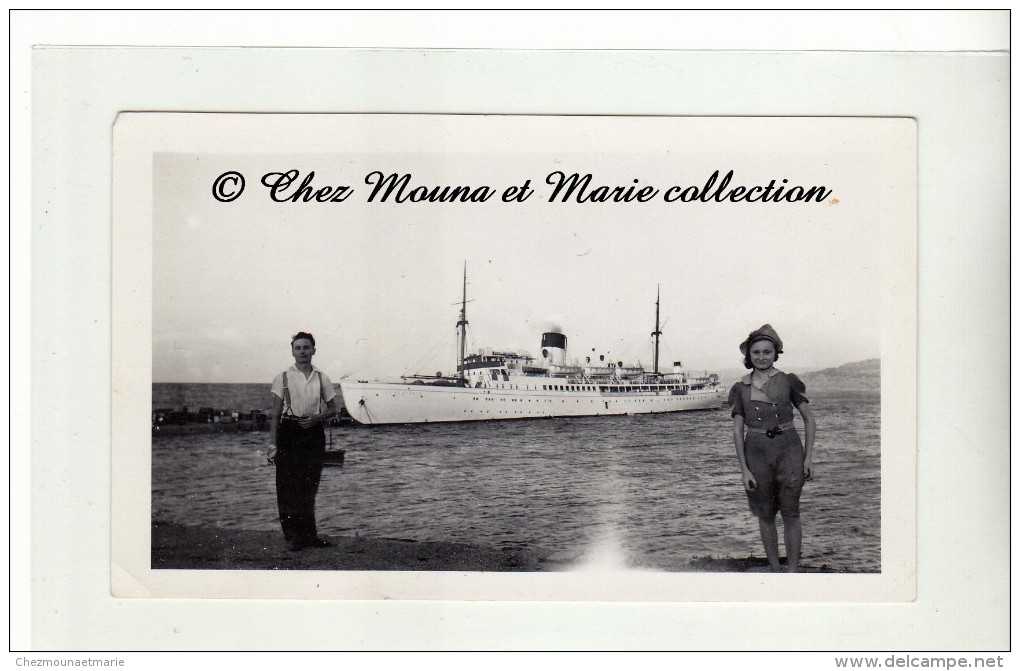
[857,376]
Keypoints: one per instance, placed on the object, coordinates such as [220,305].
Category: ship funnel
[554,349]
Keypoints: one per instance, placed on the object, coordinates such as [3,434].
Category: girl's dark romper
[775,458]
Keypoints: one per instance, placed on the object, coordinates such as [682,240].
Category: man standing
[297,442]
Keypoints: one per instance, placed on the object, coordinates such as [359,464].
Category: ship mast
[462,325]
[657,332]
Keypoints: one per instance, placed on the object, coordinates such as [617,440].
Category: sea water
[641,491]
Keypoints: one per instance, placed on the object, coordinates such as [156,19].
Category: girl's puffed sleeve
[736,401]
[797,389]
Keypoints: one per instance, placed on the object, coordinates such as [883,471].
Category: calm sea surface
[648,491]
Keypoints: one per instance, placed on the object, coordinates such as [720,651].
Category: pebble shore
[177,546]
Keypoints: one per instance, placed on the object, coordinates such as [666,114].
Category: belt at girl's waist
[770,431]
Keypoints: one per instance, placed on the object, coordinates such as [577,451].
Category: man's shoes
[295,545]
[318,542]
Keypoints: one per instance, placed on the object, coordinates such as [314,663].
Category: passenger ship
[493,385]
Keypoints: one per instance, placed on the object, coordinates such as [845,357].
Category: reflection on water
[647,491]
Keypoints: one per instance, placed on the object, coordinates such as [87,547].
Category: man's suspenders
[287,408]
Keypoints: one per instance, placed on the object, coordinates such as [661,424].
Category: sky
[379,283]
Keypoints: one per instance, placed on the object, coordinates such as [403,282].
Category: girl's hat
[766,332]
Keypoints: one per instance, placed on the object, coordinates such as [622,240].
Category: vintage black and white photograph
[489,344]
[442,330]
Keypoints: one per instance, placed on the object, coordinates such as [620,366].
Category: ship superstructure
[496,385]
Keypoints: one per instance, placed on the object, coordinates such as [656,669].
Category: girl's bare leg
[770,539]
[792,536]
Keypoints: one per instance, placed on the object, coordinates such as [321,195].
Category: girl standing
[773,462]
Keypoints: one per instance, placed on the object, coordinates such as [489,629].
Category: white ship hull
[396,403]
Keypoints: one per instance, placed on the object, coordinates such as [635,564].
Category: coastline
[178,546]
[240,426]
